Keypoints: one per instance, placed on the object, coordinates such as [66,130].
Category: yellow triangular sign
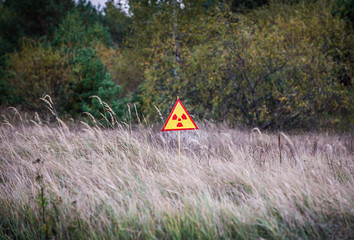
[179,119]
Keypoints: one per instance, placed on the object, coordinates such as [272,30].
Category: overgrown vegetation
[273,67]
[87,182]
[259,63]
[98,166]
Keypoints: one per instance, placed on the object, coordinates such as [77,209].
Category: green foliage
[36,71]
[266,63]
[151,25]
[73,33]
[274,67]
[189,223]
[94,81]
[244,5]
[69,75]
[39,19]
[117,21]
[92,77]
[29,18]
[345,9]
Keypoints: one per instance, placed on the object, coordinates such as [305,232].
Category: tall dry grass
[85,181]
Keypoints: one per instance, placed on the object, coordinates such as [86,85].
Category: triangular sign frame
[190,123]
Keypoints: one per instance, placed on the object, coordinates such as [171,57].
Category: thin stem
[179,145]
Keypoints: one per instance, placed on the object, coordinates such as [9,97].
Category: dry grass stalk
[291,147]
[133,177]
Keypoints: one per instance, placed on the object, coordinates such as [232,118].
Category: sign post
[179,145]
[179,119]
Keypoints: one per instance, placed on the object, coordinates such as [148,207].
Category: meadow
[62,180]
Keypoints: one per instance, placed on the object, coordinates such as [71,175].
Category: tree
[250,71]
[30,18]
[117,21]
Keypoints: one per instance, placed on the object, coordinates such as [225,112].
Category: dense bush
[73,32]
[345,9]
[273,67]
[29,19]
[94,80]
[68,70]
[266,63]
[36,71]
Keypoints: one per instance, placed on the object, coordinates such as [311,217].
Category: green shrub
[94,81]
[274,67]
[73,32]
[70,78]
[68,70]
[345,9]
[35,71]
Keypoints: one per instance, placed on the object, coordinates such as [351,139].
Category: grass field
[86,182]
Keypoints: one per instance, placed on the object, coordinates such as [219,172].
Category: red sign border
[168,119]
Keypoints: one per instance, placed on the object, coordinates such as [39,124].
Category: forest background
[266,63]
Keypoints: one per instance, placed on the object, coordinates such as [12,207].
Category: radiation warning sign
[179,119]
